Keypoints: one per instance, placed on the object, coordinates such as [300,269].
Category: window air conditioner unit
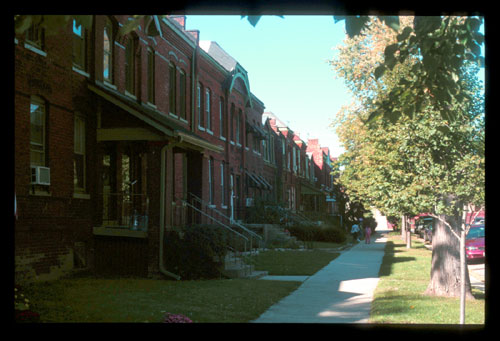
[40,175]
[249,202]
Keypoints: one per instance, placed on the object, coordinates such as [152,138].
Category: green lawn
[147,300]
[399,297]
[293,262]
[89,299]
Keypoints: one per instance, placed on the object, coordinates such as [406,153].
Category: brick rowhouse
[129,128]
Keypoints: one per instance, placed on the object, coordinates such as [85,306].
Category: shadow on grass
[389,259]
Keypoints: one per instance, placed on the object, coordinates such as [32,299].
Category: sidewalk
[341,292]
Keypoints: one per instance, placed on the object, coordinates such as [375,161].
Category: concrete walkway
[341,292]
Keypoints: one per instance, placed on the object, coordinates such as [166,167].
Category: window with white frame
[37,132]
[108,51]
[222,185]
[79,47]
[79,173]
[222,118]
[172,90]
[151,76]
[207,109]
[211,181]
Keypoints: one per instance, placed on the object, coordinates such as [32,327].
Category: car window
[475,232]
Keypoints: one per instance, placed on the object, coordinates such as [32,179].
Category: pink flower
[176,318]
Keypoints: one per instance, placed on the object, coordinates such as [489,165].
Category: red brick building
[130,136]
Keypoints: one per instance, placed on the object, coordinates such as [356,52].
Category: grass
[399,296]
[147,300]
[89,299]
[292,263]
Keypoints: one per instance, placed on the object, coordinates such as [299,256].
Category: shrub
[316,233]
[197,252]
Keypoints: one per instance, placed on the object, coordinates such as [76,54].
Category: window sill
[149,104]
[222,138]
[109,85]
[210,132]
[35,49]
[130,95]
[81,72]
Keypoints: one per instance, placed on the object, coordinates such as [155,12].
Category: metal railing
[125,210]
[207,208]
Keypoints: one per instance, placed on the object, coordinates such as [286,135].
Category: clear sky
[286,60]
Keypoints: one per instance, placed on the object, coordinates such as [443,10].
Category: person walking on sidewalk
[368,232]
[354,231]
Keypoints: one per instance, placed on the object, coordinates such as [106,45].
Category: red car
[474,242]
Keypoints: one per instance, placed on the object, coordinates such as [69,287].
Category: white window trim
[35,49]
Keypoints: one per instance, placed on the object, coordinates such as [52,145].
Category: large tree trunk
[445,270]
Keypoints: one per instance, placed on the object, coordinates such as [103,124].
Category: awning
[155,119]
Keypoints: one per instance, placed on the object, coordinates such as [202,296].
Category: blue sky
[286,60]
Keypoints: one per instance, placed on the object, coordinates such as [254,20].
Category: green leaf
[354,25]
[373,117]
[405,34]
[379,71]
[253,19]
[391,21]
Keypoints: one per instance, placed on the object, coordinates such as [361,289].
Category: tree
[410,164]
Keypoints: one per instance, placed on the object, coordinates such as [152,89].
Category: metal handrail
[212,218]
[223,215]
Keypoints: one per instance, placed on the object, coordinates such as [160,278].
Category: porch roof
[154,118]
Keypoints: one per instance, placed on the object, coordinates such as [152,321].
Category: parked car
[424,226]
[474,242]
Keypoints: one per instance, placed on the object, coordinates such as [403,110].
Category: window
[79,155]
[35,36]
[211,181]
[201,120]
[37,132]
[151,76]
[238,126]
[182,95]
[79,47]
[108,51]
[222,118]
[172,89]
[207,109]
[231,127]
[130,65]
[294,158]
[223,189]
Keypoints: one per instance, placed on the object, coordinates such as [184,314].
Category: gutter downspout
[162,207]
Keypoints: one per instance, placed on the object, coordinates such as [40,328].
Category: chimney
[180,19]
[195,34]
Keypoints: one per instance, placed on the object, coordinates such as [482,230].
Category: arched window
[172,89]
[109,38]
[130,61]
[151,76]
[182,94]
